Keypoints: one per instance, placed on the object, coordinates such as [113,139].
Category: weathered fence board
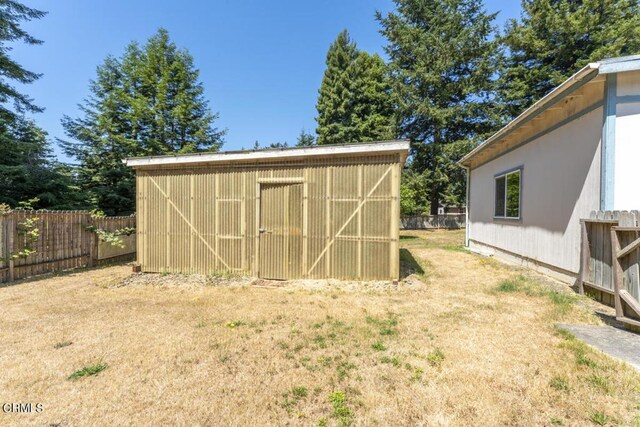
[597,266]
[106,252]
[626,268]
[64,240]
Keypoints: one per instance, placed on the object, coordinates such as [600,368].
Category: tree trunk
[435,200]
[435,190]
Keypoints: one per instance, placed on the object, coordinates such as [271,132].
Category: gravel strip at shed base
[194,281]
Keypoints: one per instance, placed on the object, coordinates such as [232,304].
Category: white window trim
[506,174]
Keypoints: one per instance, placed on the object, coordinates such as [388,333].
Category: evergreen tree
[555,38]
[372,105]
[443,59]
[353,103]
[148,102]
[27,169]
[305,139]
[12,14]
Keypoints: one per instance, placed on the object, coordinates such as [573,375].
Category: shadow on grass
[61,273]
[408,237]
[409,265]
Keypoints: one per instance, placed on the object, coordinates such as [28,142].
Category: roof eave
[584,75]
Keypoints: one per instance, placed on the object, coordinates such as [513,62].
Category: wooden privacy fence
[62,240]
[610,261]
[424,222]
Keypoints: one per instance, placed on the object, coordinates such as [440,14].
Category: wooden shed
[310,212]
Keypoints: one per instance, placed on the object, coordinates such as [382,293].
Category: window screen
[507,196]
[513,195]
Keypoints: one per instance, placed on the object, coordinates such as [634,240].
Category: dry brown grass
[456,351]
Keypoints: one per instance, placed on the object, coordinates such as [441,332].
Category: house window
[507,196]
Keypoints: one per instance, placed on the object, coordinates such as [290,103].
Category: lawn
[464,340]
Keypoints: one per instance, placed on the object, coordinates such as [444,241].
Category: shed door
[280,231]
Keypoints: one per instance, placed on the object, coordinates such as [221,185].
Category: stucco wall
[627,146]
[560,185]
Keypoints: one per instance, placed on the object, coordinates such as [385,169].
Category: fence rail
[62,240]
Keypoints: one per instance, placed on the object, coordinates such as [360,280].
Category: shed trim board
[332,214]
[273,154]
[564,143]
[607,174]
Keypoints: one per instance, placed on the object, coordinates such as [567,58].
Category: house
[574,151]
[288,213]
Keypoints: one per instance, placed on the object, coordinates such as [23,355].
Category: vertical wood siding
[344,212]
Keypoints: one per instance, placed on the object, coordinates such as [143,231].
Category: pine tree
[372,106]
[443,59]
[305,139]
[27,169]
[555,38]
[148,102]
[12,14]
[354,104]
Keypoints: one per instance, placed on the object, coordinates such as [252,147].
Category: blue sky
[261,62]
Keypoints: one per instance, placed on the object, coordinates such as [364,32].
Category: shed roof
[264,155]
[573,83]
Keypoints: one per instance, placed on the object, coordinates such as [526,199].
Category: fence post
[89,241]
[584,256]
[616,271]
[9,229]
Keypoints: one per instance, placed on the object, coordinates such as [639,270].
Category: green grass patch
[341,412]
[559,383]
[417,374]
[88,371]
[581,351]
[324,361]
[600,418]
[320,341]
[454,248]
[436,357]
[299,392]
[555,421]
[391,360]
[562,301]
[387,327]
[343,369]
[599,382]
[291,398]
[378,346]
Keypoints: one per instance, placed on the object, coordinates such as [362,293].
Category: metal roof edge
[401,146]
